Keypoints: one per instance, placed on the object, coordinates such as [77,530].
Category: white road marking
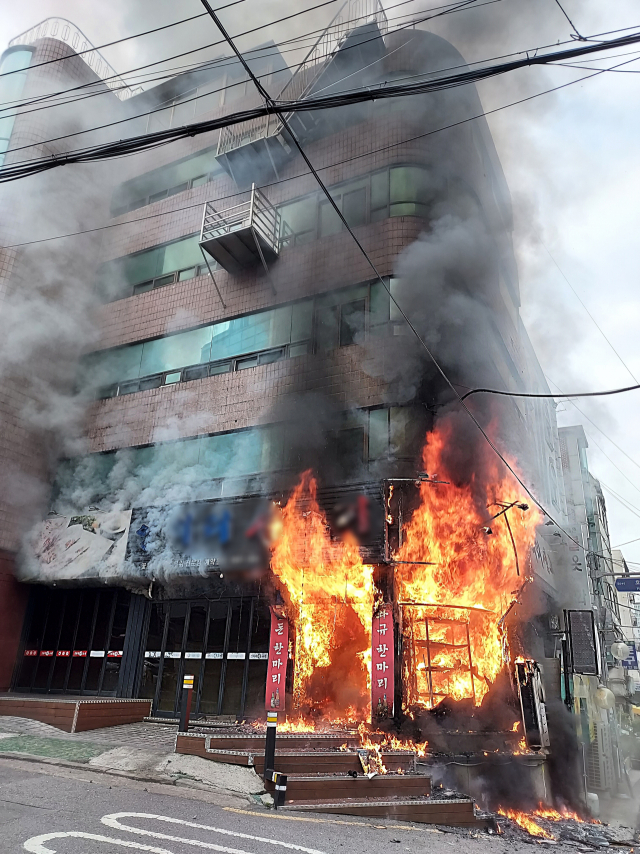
[112,821]
[36,844]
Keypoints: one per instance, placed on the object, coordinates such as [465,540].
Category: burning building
[258,428]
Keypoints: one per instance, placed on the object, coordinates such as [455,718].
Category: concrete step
[286,741]
[454,813]
[329,789]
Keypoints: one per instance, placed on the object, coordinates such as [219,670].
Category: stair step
[287,741]
[455,813]
[338,788]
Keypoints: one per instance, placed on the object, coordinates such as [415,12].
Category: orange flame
[471,567]
[329,595]
[526,823]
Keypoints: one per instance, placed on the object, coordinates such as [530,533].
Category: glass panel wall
[14,67]
[395,191]
[152,268]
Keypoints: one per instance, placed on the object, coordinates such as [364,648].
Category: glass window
[301,320]
[251,333]
[143,266]
[184,109]
[114,366]
[354,207]
[352,322]
[378,433]
[404,430]
[327,327]
[379,195]
[378,305]
[181,254]
[330,222]
[409,191]
[300,216]
[176,351]
[160,120]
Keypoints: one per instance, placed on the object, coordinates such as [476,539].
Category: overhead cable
[384,91]
[550,396]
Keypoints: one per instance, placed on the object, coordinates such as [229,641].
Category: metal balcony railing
[353,14]
[243,235]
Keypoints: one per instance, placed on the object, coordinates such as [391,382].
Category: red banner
[382,664]
[277,669]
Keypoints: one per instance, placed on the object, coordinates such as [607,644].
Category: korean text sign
[382,663]
[277,669]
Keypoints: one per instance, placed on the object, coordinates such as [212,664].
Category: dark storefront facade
[109,642]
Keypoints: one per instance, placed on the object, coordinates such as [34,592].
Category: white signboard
[92,545]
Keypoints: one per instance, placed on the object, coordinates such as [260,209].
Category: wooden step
[454,813]
[329,789]
[287,741]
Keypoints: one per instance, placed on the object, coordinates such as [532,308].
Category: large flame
[474,564]
[329,594]
[477,562]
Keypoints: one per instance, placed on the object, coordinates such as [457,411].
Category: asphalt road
[46,809]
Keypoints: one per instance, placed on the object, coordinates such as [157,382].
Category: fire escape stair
[325,775]
[257,151]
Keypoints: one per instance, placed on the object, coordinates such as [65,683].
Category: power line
[550,396]
[483,114]
[116,41]
[92,83]
[637,539]
[575,293]
[625,503]
[384,91]
[599,429]
[449,9]
[575,30]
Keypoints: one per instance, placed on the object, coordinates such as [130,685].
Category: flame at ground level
[526,823]
[329,596]
[464,553]
[475,537]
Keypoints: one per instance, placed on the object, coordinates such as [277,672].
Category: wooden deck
[75,714]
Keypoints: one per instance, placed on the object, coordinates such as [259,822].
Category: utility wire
[109,150]
[311,34]
[110,44]
[92,84]
[330,199]
[370,153]
[219,62]
[550,396]
[599,429]
[575,30]
[595,322]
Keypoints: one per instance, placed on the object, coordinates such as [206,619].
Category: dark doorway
[73,641]
[223,644]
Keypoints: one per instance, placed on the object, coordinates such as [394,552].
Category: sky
[570,159]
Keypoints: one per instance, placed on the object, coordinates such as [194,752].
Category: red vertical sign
[278,656]
[382,664]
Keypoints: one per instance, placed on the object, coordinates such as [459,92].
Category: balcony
[242,236]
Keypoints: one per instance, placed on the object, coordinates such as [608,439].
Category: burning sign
[382,664]
[277,669]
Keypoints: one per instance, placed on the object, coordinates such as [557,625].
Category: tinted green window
[300,217]
[409,191]
[114,366]
[176,351]
[301,320]
[182,254]
[252,333]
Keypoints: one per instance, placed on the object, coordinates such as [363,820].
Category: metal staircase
[256,150]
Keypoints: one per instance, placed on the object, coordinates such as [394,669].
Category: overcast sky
[571,161]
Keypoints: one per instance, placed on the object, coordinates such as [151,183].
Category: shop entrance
[223,644]
[73,641]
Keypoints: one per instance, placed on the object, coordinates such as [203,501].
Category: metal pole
[185,707]
[270,744]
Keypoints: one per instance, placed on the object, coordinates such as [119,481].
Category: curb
[182,782]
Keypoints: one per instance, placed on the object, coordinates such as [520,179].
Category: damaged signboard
[201,537]
[89,545]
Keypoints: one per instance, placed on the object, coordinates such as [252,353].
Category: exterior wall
[13,603]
